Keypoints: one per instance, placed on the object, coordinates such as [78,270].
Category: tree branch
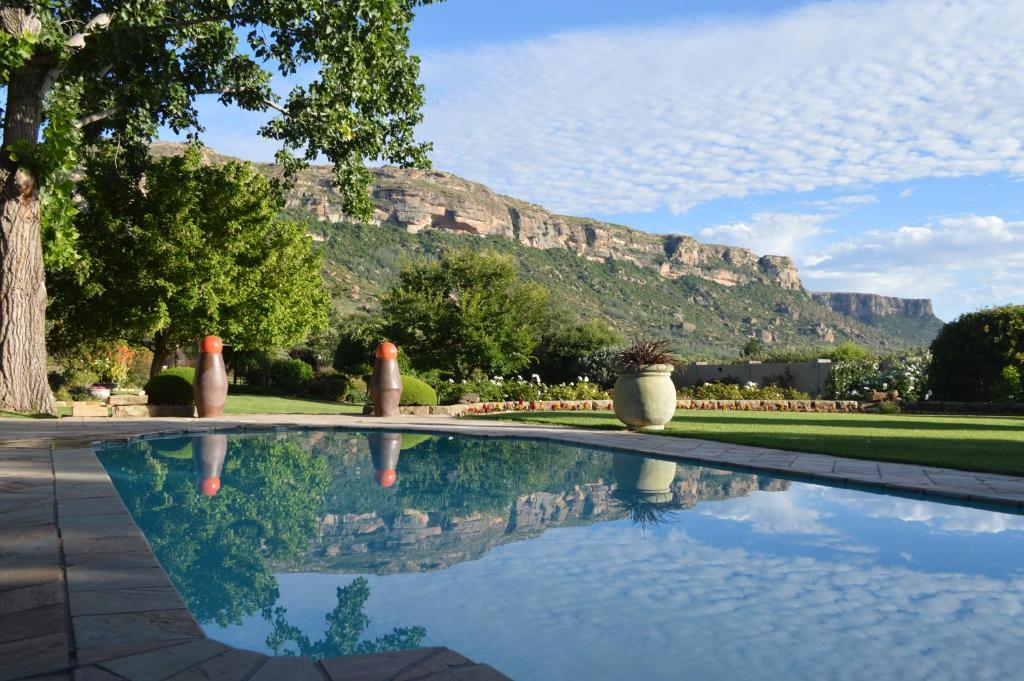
[75,42]
[98,116]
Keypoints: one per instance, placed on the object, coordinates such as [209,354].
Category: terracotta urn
[384,451]
[208,454]
[211,382]
[386,381]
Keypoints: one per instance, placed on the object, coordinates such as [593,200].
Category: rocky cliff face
[415,540]
[415,200]
[867,306]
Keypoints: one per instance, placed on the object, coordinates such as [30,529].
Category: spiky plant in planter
[644,396]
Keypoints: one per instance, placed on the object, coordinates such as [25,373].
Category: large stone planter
[645,398]
[642,478]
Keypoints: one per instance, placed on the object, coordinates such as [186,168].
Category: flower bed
[817,406]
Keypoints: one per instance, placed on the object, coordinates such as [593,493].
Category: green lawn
[265,404]
[991,444]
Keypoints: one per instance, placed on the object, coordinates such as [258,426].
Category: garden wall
[809,377]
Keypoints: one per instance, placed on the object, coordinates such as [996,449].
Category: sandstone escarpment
[415,200]
[867,306]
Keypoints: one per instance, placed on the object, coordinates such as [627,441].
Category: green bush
[172,386]
[734,391]
[416,393]
[889,407]
[327,386]
[289,376]
[561,352]
[971,352]
[517,389]
[1009,388]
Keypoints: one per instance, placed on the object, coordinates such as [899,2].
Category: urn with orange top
[386,381]
[211,381]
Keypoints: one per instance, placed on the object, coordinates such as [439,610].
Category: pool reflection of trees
[218,540]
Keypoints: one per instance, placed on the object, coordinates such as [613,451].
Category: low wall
[819,406]
[809,377]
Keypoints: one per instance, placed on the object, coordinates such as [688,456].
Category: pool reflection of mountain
[378,517]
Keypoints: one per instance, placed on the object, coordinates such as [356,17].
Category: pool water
[551,561]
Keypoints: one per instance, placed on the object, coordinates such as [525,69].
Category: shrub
[599,367]
[171,386]
[561,352]
[417,393]
[971,352]
[889,407]
[358,391]
[329,386]
[1008,389]
[517,389]
[733,391]
[904,372]
[289,376]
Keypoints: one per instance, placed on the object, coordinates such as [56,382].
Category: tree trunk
[23,384]
[161,352]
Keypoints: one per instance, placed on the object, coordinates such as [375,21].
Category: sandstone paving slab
[80,508]
[289,669]
[29,597]
[404,664]
[116,520]
[114,561]
[99,654]
[84,490]
[94,577]
[39,621]
[125,600]
[28,572]
[28,541]
[38,512]
[92,673]
[233,665]
[155,665]
[82,542]
[93,631]
[33,656]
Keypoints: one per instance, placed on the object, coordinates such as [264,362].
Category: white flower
[586,379]
[885,386]
[451,380]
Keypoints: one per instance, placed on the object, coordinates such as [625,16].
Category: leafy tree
[562,353]
[123,69]
[189,249]
[358,337]
[345,627]
[465,312]
[971,354]
[849,352]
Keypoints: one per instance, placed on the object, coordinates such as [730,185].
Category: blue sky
[880,144]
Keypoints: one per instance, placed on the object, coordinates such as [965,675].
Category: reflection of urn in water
[211,380]
[208,452]
[384,450]
[644,486]
[386,381]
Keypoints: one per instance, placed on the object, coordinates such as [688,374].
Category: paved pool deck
[82,597]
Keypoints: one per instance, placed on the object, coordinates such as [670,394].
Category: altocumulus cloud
[962,260]
[830,95]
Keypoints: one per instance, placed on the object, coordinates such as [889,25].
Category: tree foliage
[970,354]
[465,312]
[186,250]
[562,353]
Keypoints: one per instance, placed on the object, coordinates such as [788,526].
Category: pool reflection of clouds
[603,602]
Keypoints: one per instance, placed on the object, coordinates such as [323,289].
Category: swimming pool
[552,561]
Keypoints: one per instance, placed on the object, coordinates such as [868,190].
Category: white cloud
[774,233]
[906,193]
[961,261]
[831,95]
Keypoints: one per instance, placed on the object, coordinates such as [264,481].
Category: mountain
[710,299]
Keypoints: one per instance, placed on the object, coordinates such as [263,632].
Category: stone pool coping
[83,597]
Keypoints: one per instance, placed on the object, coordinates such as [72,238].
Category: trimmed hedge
[172,386]
[417,393]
